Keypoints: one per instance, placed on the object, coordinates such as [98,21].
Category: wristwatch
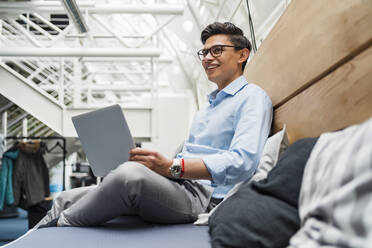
[178,168]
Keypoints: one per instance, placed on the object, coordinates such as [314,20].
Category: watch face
[176,170]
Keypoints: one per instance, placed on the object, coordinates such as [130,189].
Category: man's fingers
[138,158]
[140,151]
[149,160]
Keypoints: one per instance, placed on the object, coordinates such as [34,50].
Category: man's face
[222,69]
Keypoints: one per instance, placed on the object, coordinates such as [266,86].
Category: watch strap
[183,167]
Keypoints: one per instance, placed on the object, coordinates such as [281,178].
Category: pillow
[264,213]
[274,146]
[284,181]
[336,195]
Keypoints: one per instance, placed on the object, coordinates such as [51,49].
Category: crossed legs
[131,189]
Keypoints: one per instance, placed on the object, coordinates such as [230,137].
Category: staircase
[31,99]
[46,109]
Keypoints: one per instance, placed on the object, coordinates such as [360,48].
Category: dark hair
[237,37]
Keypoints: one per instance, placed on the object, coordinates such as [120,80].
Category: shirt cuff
[215,164]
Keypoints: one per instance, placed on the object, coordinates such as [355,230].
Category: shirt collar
[231,89]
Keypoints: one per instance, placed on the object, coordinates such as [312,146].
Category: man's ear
[244,54]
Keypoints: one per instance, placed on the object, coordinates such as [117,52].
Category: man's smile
[210,68]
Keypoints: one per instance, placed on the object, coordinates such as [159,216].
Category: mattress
[125,231]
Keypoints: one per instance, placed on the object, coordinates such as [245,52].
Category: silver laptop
[105,137]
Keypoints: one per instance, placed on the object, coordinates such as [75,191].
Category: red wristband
[183,167]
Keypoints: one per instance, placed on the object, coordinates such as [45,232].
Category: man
[224,146]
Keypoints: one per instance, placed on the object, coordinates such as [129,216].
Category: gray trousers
[131,189]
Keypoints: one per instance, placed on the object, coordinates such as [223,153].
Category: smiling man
[224,147]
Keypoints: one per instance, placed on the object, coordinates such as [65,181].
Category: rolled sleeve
[252,127]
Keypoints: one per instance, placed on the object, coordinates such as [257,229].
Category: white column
[61,94]
[155,103]
[24,127]
[1,31]
[89,91]
[5,126]
[77,83]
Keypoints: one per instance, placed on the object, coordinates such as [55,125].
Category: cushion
[264,213]
[336,195]
[121,232]
[274,146]
[284,181]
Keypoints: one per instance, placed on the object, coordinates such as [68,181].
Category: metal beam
[160,27]
[23,4]
[79,52]
[182,64]
[104,36]
[35,26]
[18,119]
[103,87]
[195,13]
[26,33]
[75,15]
[60,36]
[270,21]
[112,72]
[6,107]
[118,60]
[155,9]
[109,29]
[61,92]
[220,10]
[51,25]
[235,10]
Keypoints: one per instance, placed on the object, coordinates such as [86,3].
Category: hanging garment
[30,176]
[2,147]
[6,171]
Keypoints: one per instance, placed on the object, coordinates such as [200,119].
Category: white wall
[175,113]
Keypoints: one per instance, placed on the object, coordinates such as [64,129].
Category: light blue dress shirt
[229,135]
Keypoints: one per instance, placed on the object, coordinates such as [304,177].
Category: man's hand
[151,159]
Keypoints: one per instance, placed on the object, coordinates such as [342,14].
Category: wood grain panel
[310,40]
[342,98]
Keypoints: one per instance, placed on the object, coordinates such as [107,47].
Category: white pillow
[274,146]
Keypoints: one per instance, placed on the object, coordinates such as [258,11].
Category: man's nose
[208,56]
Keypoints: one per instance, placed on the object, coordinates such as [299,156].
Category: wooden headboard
[316,65]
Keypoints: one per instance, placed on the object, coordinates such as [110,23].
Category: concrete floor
[12,228]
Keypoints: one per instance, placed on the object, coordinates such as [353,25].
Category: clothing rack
[63,146]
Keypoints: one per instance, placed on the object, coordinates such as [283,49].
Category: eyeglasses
[215,51]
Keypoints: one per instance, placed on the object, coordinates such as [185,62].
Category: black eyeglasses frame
[202,53]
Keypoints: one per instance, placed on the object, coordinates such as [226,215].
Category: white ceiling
[132,80]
